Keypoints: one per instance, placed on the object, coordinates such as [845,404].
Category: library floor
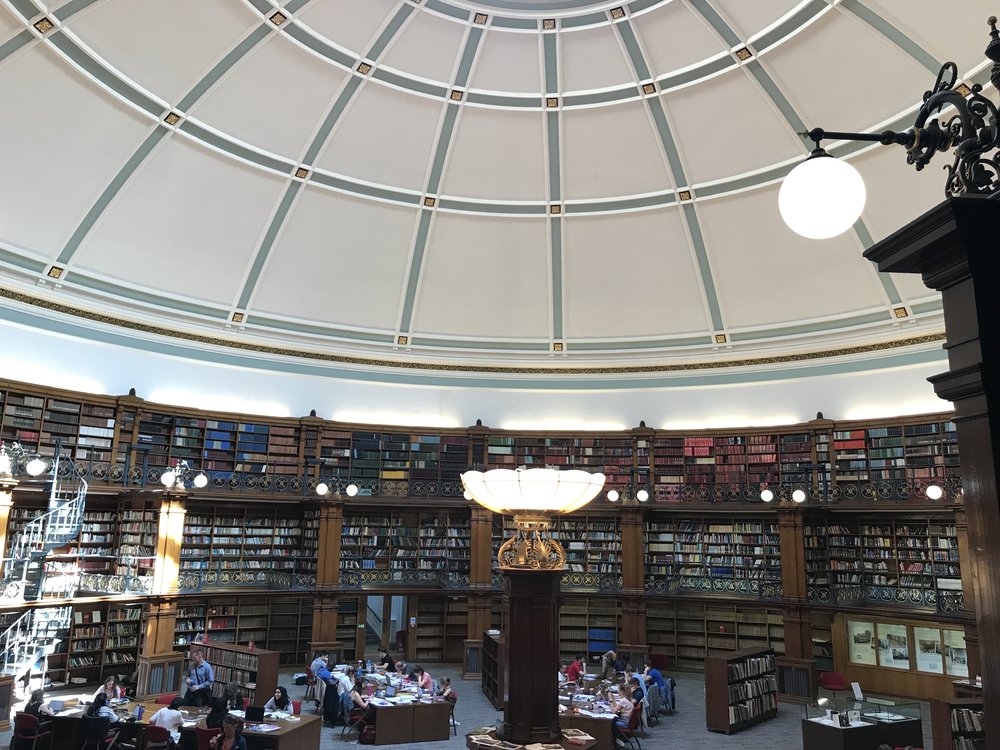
[686,725]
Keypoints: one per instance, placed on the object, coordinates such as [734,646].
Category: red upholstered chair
[631,730]
[165,699]
[297,708]
[94,731]
[30,732]
[246,703]
[155,738]
[833,681]
[203,736]
[310,685]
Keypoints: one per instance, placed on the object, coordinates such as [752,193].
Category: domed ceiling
[532,183]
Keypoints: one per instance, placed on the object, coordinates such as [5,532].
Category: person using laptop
[385,661]
[199,681]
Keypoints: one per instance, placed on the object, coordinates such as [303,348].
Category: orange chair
[833,681]
[155,738]
[28,729]
[203,737]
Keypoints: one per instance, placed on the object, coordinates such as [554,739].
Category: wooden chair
[310,686]
[155,738]
[29,732]
[630,731]
[94,731]
[203,737]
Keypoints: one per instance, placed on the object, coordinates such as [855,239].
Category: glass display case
[859,725]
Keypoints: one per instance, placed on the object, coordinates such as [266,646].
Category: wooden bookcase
[957,724]
[494,677]
[104,638]
[254,670]
[740,689]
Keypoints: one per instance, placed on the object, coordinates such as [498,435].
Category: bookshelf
[254,670]
[587,625]
[104,638]
[347,627]
[958,724]
[741,689]
[494,677]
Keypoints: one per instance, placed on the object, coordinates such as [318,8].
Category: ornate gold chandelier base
[531,547]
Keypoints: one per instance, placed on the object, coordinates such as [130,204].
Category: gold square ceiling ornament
[55,272]
[617,13]
[278,18]
[301,173]
[402,340]
[548,24]
[744,53]
[456,95]
[684,195]
[963,88]
[364,68]
[901,312]
[43,24]
[557,346]
[172,118]
[555,209]
[552,101]
[430,201]
[480,19]
[238,317]
[649,88]
[720,338]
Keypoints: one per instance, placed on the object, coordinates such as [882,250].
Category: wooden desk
[302,734]
[599,729]
[412,722]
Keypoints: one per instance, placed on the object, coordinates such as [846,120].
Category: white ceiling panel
[630,275]
[876,78]
[393,149]
[348,23]
[9,24]
[63,141]
[225,207]
[692,39]
[164,47]
[345,258]
[427,47]
[751,251]
[611,151]
[485,277]
[497,154]
[592,59]
[703,128]
[507,62]
[274,98]
[749,19]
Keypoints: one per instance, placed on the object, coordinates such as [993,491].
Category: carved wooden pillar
[968,591]
[796,668]
[169,534]
[632,640]
[326,601]
[7,485]
[953,246]
[482,552]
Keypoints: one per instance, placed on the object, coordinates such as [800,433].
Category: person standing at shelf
[385,661]
[199,681]
[575,669]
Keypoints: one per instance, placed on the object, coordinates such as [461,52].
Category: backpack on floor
[367,735]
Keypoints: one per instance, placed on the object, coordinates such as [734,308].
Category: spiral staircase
[27,578]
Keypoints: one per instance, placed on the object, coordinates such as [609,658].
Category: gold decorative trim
[720,338]
[555,209]
[430,201]
[480,19]
[548,24]
[684,195]
[649,88]
[278,18]
[441,367]
[744,53]
[617,13]
[55,272]
[43,24]
[238,317]
[557,346]
[402,340]
[552,101]
[301,173]
[172,118]
[456,95]
[901,312]
[963,88]
[364,68]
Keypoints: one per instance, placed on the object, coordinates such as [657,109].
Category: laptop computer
[390,691]
[254,714]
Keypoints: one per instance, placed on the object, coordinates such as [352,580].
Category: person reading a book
[385,661]
[111,689]
[170,718]
[232,735]
[199,681]
[424,680]
[279,701]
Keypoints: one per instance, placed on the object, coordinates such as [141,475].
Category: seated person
[575,669]
[279,701]
[446,691]
[111,689]
[232,735]
[562,673]
[220,710]
[424,679]
[233,694]
[608,660]
[99,708]
[357,696]
[385,661]
[170,718]
[36,705]
[653,677]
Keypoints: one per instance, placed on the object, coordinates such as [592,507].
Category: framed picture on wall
[956,659]
[861,642]
[893,646]
[929,650]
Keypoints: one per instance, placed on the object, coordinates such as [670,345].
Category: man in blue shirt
[654,678]
[199,681]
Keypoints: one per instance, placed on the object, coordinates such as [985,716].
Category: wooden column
[482,552]
[169,535]
[7,485]
[968,591]
[796,668]
[531,710]
[632,641]
[325,603]
[953,246]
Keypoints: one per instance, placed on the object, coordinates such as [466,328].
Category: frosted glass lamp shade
[934,491]
[822,197]
[766,495]
[539,491]
[35,467]
[168,478]
[201,480]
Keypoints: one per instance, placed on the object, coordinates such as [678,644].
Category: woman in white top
[170,718]
[111,689]
[279,701]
